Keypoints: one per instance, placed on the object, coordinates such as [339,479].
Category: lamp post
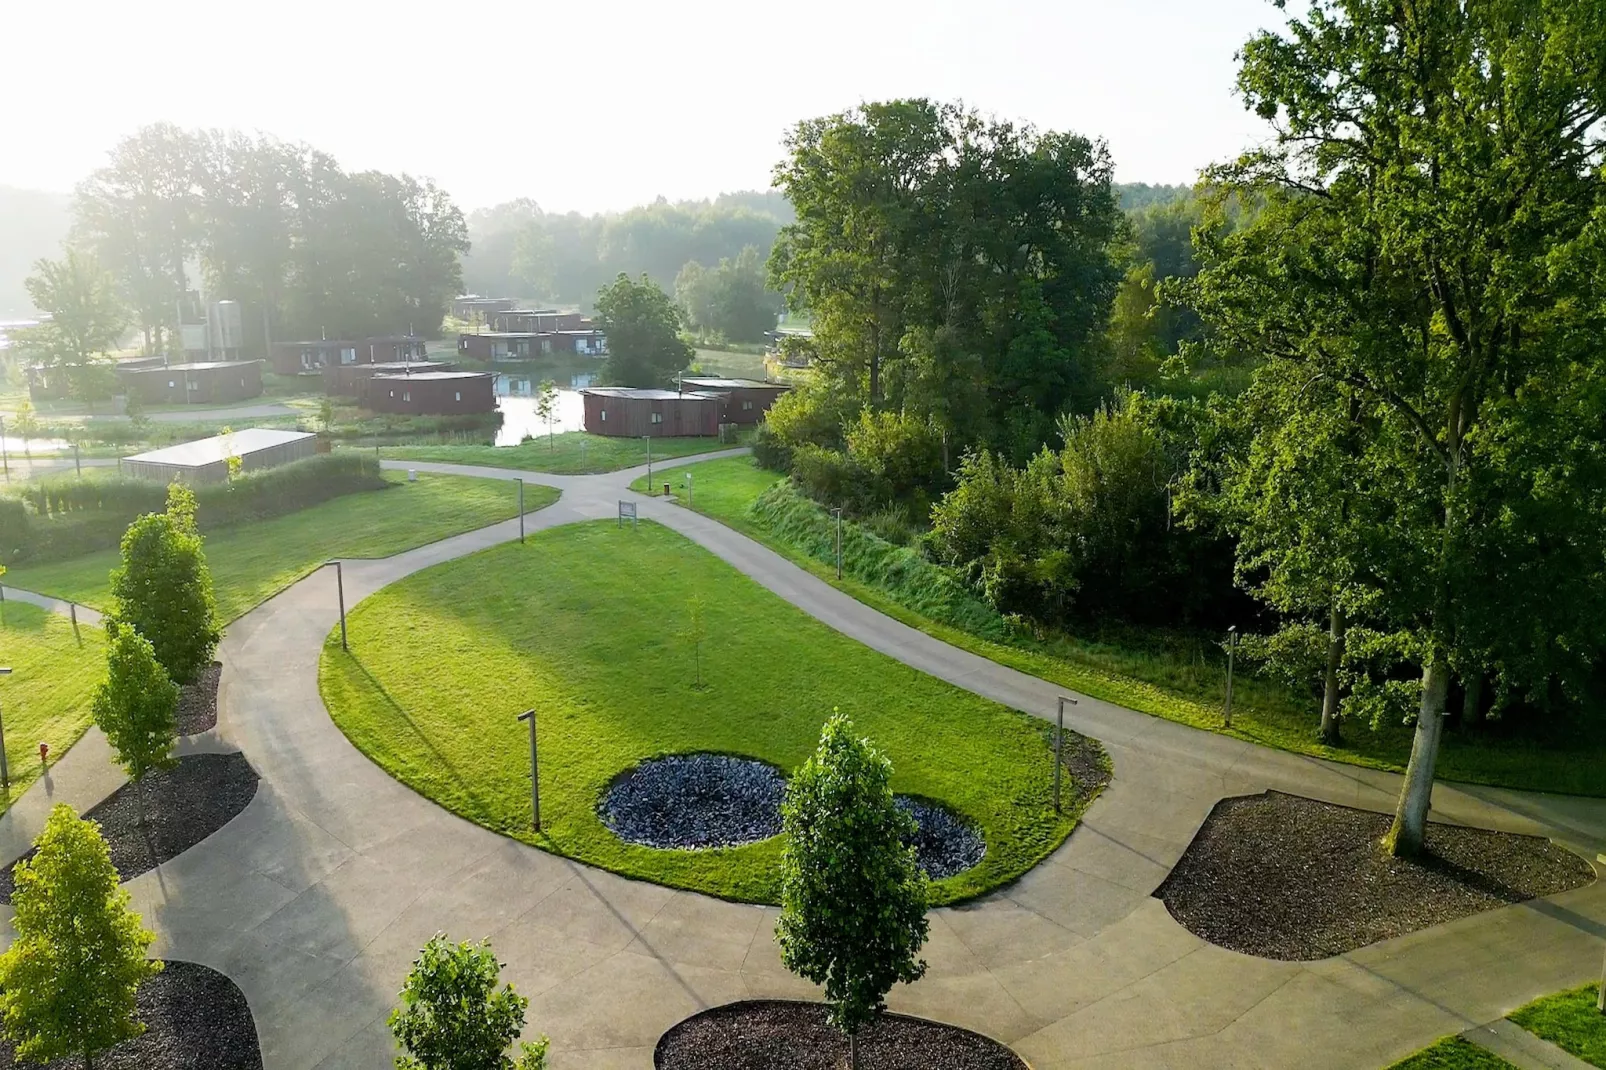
[535,771]
[5,770]
[340,590]
[688,490]
[838,514]
[1232,647]
[521,510]
[649,463]
[1059,749]
[5,459]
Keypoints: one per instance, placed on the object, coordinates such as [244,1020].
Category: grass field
[1453,1053]
[47,695]
[1570,1021]
[587,624]
[571,453]
[1165,683]
[251,564]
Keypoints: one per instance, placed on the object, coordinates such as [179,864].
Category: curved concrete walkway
[315,899]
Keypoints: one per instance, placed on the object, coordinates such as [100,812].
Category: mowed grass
[897,582]
[588,625]
[1569,1020]
[47,695]
[1453,1053]
[571,453]
[253,562]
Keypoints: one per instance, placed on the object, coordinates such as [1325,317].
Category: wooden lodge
[345,380]
[431,393]
[200,383]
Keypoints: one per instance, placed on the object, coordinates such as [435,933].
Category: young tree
[1428,248]
[546,404]
[453,1017]
[696,633]
[135,706]
[853,900]
[26,425]
[163,588]
[643,329]
[68,983]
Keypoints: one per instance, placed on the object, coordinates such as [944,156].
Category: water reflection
[516,398]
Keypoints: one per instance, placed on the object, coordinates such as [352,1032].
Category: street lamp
[838,514]
[535,771]
[5,770]
[1232,647]
[340,588]
[520,481]
[649,462]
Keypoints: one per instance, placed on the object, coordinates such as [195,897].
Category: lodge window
[604,415]
[171,384]
[457,396]
[657,417]
[746,405]
[407,395]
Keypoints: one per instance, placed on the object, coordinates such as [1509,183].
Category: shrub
[163,589]
[453,1018]
[899,454]
[827,475]
[136,705]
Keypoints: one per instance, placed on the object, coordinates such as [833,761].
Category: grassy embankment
[588,625]
[253,562]
[1167,682]
[52,682]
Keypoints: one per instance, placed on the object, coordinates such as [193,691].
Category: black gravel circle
[694,801]
[944,842]
[1285,877]
[770,1034]
[183,806]
[197,702]
[195,1019]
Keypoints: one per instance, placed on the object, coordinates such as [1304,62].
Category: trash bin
[666,490]
[412,475]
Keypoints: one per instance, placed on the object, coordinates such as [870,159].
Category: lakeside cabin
[206,460]
[198,383]
[431,393]
[312,357]
[531,345]
[345,380]
[746,400]
[630,412]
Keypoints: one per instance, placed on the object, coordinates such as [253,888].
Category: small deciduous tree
[696,632]
[546,405]
[853,899]
[68,983]
[453,1017]
[164,589]
[135,706]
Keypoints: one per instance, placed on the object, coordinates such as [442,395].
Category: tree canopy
[643,328]
[453,1017]
[136,704]
[86,320]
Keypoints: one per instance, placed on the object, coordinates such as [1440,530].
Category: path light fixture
[1059,750]
[649,462]
[688,490]
[5,771]
[44,753]
[1232,647]
[340,590]
[535,771]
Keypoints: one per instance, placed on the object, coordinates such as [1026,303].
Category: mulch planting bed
[195,1019]
[182,805]
[1286,877]
[944,842]
[1087,766]
[775,1034]
[696,800]
[197,702]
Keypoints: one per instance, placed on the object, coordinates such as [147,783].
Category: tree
[136,705]
[1429,252]
[26,425]
[546,403]
[68,983]
[86,320]
[163,589]
[643,330]
[853,899]
[453,1017]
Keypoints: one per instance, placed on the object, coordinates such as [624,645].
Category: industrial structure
[207,460]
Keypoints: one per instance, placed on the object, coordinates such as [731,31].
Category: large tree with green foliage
[730,300]
[643,329]
[136,704]
[68,982]
[853,899]
[163,589]
[86,320]
[453,1017]
[1426,271]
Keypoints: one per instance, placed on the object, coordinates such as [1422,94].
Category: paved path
[316,897]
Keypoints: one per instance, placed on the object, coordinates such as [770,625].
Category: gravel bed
[944,842]
[777,1034]
[197,702]
[183,806]
[1087,766]
[1285,877]
[695,800]
[195,1019]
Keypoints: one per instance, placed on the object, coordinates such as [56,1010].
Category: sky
[593,105]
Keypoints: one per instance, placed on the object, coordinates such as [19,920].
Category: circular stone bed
[944,842]
[694,801]
[1285,877]
[183,806]
[197,702]
[765,1034]
[194,1017]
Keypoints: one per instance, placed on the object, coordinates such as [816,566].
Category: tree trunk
[1405,837]
[1336,628]
[89,1060]
[853,1051]
[1472,701]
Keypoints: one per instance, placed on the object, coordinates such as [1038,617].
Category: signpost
[627,511]
[1059,750]
[535,771]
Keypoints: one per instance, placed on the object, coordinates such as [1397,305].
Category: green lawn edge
[1518,767]
[368,704]
[1452,1053]
[1569,1020]
[48,694]
[562,456]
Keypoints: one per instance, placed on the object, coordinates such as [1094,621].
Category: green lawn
[1453,1053]
[587,625]
[52,682]
[1570,1021]
[571,453]
[1170,683]
[251,564]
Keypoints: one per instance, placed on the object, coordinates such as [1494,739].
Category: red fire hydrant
[44,752]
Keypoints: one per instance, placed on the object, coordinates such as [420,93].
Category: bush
[163,589]
[453,1017]
[899,454]
[827,475]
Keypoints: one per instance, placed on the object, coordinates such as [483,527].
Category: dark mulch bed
[1086,764]
[944,842]
[195,1019]
[197,702]
[1286,877]
[785,1035]
[695,800]
[183,806]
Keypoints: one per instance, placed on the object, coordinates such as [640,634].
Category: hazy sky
[601,104]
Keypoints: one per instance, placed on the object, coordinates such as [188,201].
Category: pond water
[516,399]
